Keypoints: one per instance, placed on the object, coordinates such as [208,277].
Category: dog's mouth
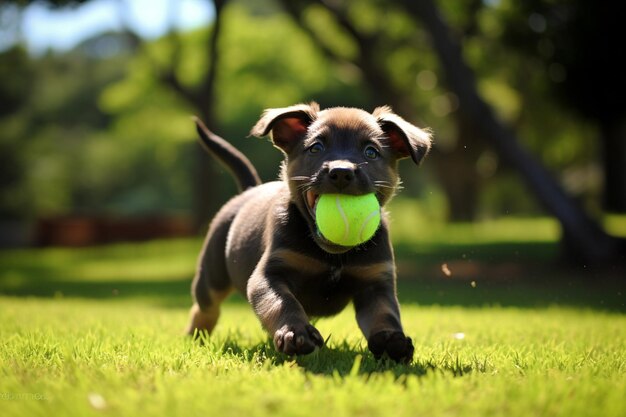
[311,199]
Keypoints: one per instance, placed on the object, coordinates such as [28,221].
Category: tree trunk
[457,170]
[204,204]
[201,98]
[614,140]
[584,239]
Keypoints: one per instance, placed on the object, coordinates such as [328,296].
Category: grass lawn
[98,332]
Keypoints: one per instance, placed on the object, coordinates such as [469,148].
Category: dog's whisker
[300,178]
[383,184]
[305,187]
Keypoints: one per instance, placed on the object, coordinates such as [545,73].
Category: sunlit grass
[138,261]
[411,224]
[129,358]
[98,331]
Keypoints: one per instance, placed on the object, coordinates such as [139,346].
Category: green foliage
[286,61]
[253,74]
[47,134]
[113,120]
[509,52]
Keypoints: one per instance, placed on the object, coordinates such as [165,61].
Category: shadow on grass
[477,293]
[345,360]
[173,293]
[484,292]
[480,252]
[508,274]
[512,275]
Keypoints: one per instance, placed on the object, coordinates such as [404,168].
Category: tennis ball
[347,220]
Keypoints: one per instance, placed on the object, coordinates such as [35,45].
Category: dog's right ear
[287,125]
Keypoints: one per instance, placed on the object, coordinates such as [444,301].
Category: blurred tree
[575,41]
[171,72]
[363,54]
[52,129]
[200,97]
[583,239]
[15,88]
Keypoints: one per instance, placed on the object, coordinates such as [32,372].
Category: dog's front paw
[395,344]
[297,339]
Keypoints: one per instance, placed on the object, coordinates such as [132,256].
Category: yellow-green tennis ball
[347,220]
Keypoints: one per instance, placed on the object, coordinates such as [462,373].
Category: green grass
[98,332]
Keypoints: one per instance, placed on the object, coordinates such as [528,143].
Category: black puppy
[264,242]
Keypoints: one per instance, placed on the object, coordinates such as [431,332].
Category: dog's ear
[286,125]
[404,138]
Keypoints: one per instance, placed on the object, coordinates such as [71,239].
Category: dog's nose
[341,175]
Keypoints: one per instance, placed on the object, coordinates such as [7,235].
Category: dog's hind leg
[211,284]
[204,318]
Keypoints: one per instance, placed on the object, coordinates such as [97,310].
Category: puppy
[264,242]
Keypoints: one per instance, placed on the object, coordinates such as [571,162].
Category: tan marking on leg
[299,261]
[206,319]
[372,272]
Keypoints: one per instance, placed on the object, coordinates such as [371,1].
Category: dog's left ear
[404,138]
[287,125]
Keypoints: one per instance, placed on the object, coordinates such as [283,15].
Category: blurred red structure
[79,231]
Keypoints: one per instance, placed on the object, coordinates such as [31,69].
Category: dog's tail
[239,166]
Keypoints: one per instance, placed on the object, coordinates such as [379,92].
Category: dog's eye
[371,152]
[316,147]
